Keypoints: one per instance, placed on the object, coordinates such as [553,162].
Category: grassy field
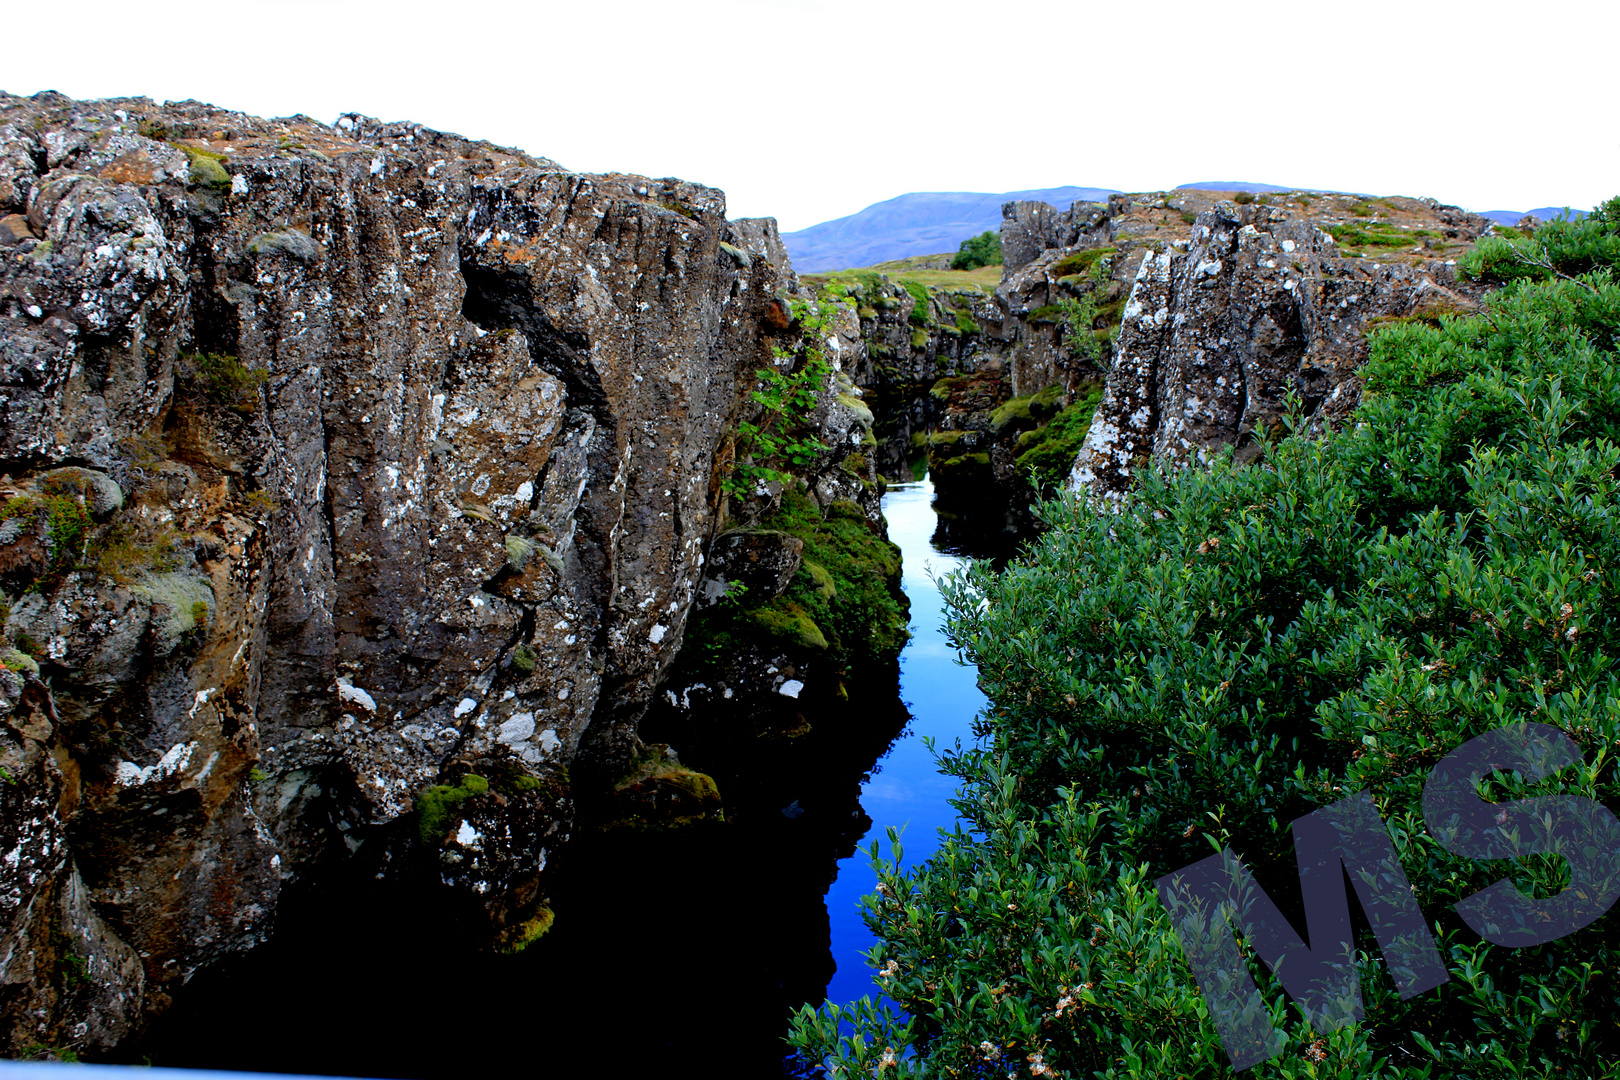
[919,269]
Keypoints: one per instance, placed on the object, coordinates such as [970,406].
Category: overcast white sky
[808,110]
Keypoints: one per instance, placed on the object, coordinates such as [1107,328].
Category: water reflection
[908,793]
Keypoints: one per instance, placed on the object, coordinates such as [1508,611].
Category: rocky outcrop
[392,462]
[1259,313]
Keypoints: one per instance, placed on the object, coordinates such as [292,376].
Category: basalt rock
[1257,314]
[416,444]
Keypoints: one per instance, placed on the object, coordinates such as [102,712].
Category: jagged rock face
[1220,331]
[443,504]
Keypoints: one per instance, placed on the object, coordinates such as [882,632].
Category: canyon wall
[357,480]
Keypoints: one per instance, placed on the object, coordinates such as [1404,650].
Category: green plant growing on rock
[206,168]
[67,525]
[130,548]
[436,806]
[227,380]
[1046,455]
[922,306]
[1082,262]
[781,436]
[1076,314]
[519,550]
[186,595]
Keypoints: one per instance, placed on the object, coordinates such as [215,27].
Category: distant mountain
[1545,213]
[1243,185]
[918,223]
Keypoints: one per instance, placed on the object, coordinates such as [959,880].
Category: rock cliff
[1260,312]
[358,482]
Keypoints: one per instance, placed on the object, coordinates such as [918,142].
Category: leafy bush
[977,251]
[780,436]
[1238,647]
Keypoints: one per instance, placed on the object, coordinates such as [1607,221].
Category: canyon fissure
[378,519]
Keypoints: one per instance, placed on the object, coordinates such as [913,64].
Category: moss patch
[788,621]
[1081,261]
[1046,454]
[436,806]
[1028,411]
[854,601]
[206,170]
[514,939]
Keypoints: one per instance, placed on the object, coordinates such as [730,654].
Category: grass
[984,279]
[1373,234]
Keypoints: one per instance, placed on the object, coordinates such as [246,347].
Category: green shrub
[227,380]
[977,251]
[67,523]
[1238,647]
[1243,198]
[780,436]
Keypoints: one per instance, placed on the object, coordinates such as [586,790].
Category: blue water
[907,792]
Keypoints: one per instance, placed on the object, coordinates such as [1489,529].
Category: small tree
[977,251]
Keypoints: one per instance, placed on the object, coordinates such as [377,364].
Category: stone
[14,229]
[761,561]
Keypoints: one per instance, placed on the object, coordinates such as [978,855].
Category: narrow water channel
[676,954]
[906,791]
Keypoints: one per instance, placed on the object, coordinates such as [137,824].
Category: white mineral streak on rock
[520,728]
[347,691]
[129,774]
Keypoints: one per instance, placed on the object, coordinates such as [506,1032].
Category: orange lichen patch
[135,167]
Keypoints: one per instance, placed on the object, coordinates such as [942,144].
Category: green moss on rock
[784,619]
[1081,261]
[1047,454]
[436,806]
[514,939]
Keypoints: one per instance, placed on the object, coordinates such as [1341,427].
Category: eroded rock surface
[416,446]
[1259,312]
